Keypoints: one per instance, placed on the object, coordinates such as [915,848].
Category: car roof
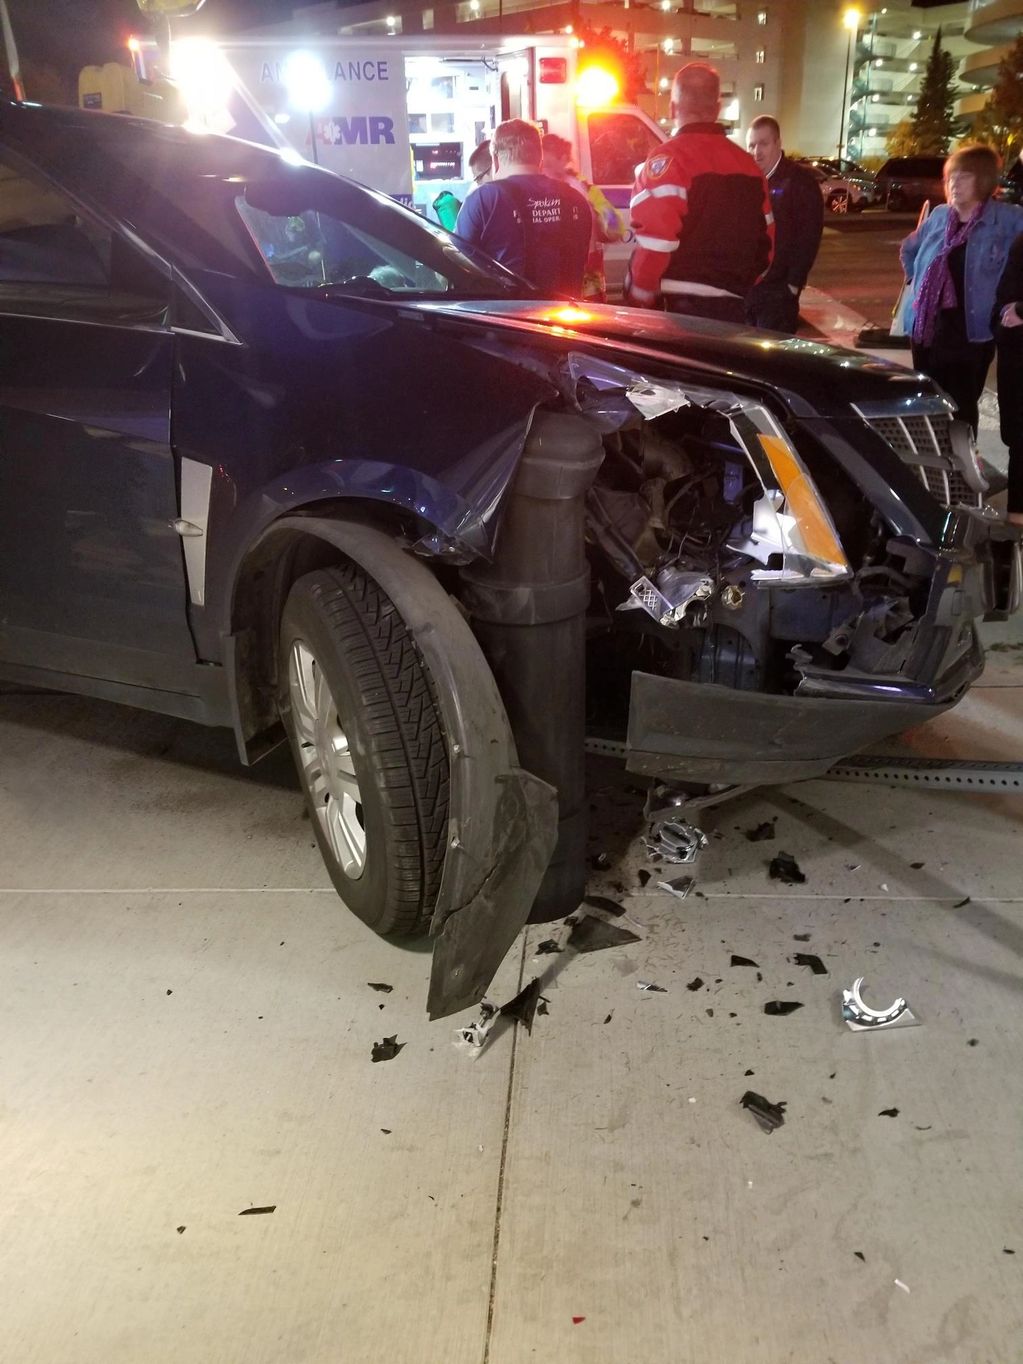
[47,123]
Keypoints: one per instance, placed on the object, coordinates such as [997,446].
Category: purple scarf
[937,290]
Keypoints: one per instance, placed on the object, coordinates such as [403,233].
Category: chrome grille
[924,442]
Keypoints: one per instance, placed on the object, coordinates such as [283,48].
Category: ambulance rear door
[613,142]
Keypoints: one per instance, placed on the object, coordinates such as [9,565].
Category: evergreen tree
[934,123]
[1001,123]
[901,141]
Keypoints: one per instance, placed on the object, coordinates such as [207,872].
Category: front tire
[357,702]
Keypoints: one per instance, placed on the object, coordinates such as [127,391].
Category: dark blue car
[276,454]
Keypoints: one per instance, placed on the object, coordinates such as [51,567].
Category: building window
[761,17]
[758,94]
[760,56]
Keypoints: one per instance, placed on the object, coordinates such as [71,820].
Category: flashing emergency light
[134,45]
[306,82]
[595,86]
[204,78]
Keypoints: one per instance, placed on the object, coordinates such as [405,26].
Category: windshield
[213,204]
[313,235]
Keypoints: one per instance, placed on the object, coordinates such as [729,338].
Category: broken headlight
[790,533]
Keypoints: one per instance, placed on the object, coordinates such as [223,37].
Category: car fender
[503,821]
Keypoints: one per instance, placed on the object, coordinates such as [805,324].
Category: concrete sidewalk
[187,1034]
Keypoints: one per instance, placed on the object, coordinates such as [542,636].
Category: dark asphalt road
[858,261]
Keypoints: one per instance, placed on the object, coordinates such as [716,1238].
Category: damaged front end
[767,596]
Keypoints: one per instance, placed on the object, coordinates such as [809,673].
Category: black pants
[1010,411]
[716,307]
[773,307]
[960,372]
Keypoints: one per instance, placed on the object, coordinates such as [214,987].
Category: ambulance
[400,114]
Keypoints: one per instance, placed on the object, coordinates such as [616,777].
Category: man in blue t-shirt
[532,224]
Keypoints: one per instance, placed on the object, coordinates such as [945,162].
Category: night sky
[65,35]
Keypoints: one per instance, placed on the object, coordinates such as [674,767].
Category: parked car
[279,455]
[1010,187]
[906,182]
[843,177]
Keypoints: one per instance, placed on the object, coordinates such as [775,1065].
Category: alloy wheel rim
[326,758]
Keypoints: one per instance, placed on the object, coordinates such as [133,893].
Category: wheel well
[265,578]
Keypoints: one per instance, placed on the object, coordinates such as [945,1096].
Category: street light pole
[851,21]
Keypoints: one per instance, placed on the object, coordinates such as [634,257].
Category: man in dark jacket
[700,211]
[798,208]
[532,224]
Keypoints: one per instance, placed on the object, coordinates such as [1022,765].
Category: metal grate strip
[935,773]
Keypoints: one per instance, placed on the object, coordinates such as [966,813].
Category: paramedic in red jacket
[701,212]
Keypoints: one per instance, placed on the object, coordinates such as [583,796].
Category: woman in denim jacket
[953,262]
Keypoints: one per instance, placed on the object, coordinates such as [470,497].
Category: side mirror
[169,9]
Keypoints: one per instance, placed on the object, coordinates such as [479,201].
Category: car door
[91,576]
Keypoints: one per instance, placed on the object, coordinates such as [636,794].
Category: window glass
[618,144]
[54,256]
[42,237]
[355,242]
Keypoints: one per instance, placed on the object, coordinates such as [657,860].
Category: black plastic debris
[649,986]
[695,984]
[801,937]
[548,945]
[380,985]
[749,1072]
[813,961]
[742,961]
[1007,1251]
[762,833]
[593,935]
[767,1114]
[960,903]
[603,902]
[785,868]
[257,1212]
[643,876]
[973,1042]
[181,1231]
[386,1131]
[386,1050]
[778,1008]
[523,1007]
[888,1113]
[917,866]
[860,1255]
[610,1016]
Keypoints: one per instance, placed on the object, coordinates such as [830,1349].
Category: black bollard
[528,610]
